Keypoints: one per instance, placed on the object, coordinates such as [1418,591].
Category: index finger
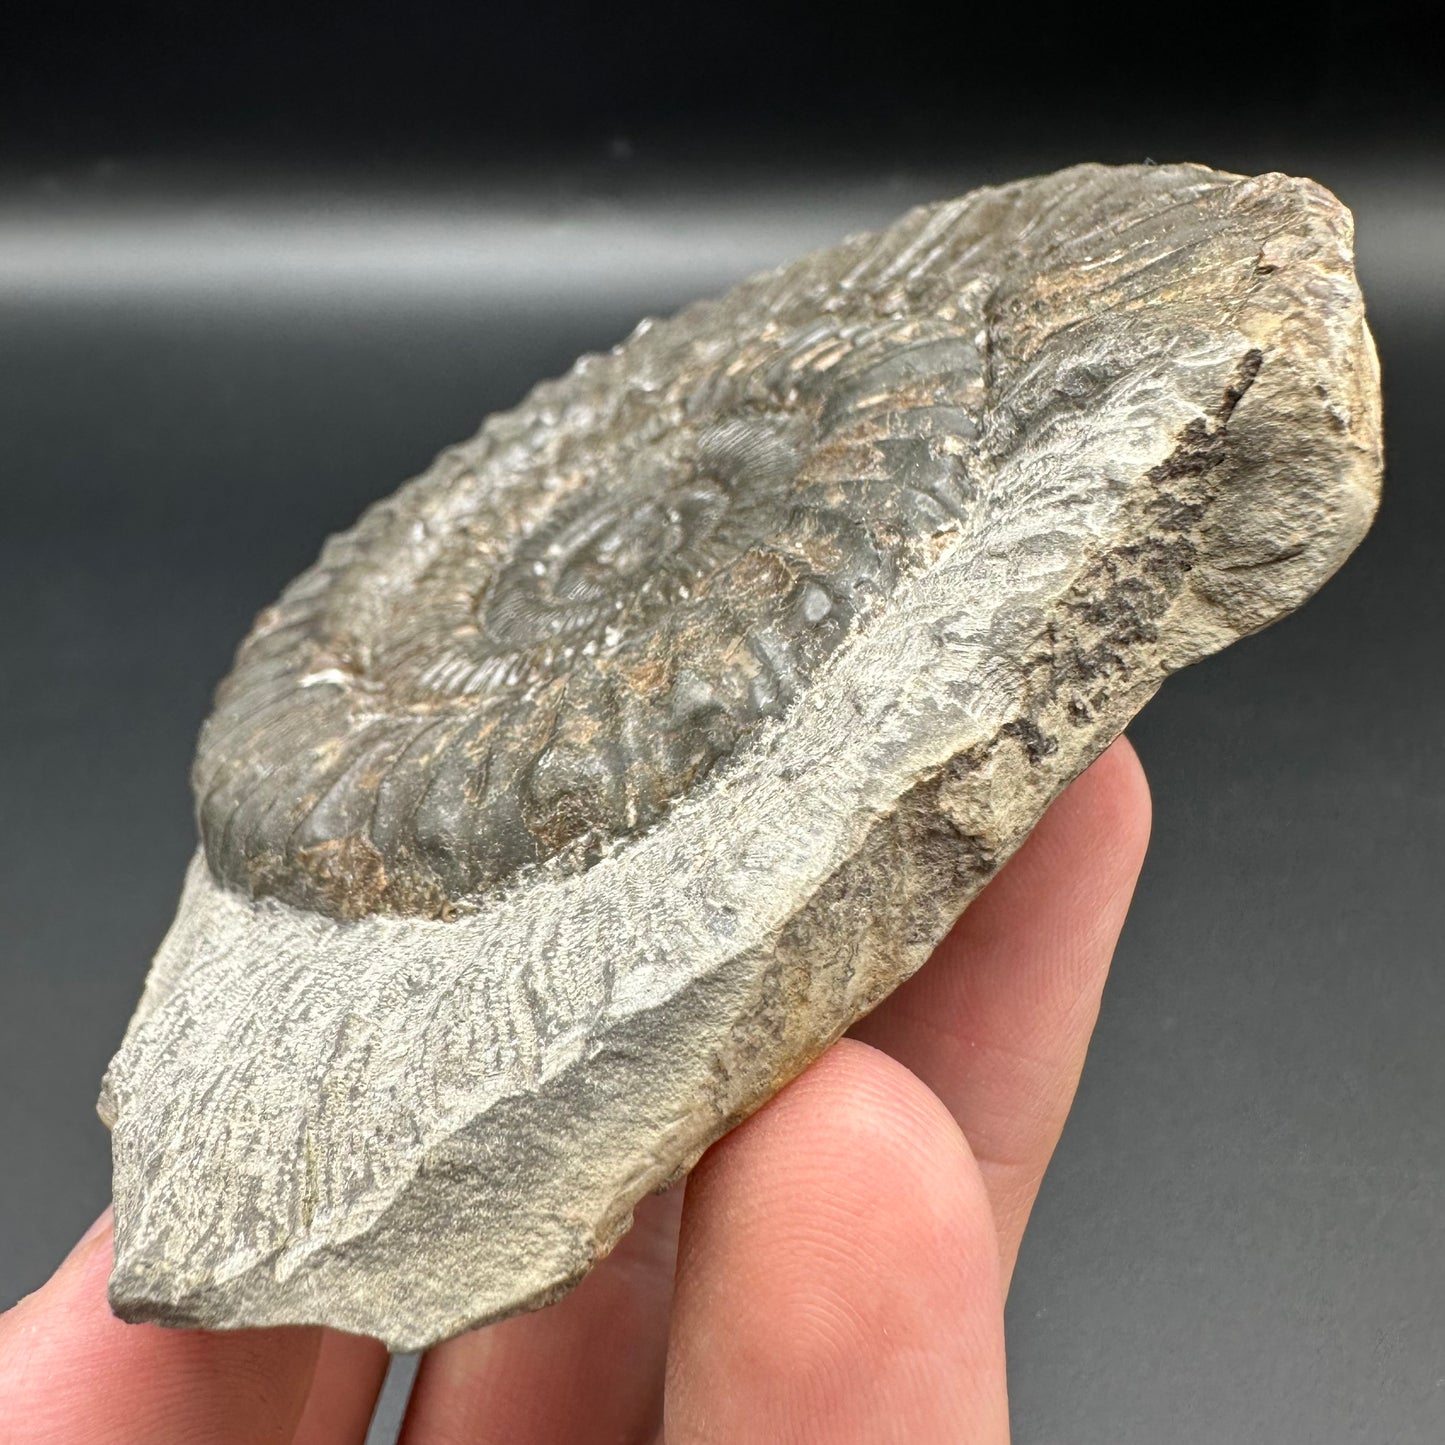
[998,1022]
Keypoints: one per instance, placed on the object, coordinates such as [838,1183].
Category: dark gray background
[213,351]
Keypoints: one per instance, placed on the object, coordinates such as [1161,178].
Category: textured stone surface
[590,786]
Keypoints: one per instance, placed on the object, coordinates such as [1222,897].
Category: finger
[838,1273]
[70,1372]
[587,1368]
[344,1390]
[998,1022]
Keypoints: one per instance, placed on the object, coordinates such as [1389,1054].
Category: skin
[834,1271]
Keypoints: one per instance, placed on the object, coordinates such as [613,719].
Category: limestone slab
[586,789]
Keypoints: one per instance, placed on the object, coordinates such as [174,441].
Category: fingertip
[1115,789]
[589,1367]
[838,1275]
[1095,831]
[998,1022]
[71,1371]
[345,1384]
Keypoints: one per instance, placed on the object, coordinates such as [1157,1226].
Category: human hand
[843,1256]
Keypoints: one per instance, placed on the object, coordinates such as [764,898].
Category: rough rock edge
[1208,562]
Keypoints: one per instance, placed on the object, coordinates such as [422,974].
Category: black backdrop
[258,263]
[372,81]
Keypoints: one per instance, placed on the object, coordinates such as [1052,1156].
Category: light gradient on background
[1243,1237]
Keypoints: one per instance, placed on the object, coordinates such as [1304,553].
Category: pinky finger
[838,1275]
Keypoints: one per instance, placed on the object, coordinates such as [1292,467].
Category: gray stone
[594,783]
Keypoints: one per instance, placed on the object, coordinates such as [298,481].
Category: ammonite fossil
[591,785]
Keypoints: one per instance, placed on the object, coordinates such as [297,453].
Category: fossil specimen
[592,784]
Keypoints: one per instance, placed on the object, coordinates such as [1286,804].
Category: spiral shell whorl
[570,621]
